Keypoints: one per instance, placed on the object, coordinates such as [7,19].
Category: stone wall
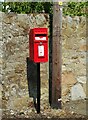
[15,41]
[74,57]
[14,51]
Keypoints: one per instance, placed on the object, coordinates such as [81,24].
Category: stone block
[40,20]
[68,78]
[19,68]
[83,48]
[65,90]
[82,79]
[80,69]
[77,92]
[85,88]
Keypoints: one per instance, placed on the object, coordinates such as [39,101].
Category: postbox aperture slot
[40,35]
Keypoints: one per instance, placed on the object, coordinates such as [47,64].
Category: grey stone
[69,19]
[40,19]
[77,92]
[82,79]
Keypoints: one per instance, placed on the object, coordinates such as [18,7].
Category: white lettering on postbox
[41,51]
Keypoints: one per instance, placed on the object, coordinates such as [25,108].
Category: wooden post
[56,56]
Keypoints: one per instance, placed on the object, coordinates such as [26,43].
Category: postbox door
[41,52]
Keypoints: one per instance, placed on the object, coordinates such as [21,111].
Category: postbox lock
[40,43]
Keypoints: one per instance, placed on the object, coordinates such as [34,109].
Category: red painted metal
[38,45]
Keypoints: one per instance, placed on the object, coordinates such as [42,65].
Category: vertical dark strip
[38,87]
[50,58]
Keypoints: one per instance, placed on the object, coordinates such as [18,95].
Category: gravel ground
[70,110]
[46,113]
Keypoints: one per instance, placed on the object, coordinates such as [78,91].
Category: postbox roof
[40,30]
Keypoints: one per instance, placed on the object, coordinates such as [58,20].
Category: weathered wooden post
[56,56]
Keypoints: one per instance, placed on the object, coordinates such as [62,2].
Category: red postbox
[38,45]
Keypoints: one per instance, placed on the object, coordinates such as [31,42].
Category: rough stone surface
[0,114]
[77,92]
[73,55]
[68,80]
[14,51]
[82,79]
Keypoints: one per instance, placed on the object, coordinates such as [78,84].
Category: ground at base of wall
[73,109]
[78,106]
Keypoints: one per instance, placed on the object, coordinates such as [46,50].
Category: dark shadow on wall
[32,79]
